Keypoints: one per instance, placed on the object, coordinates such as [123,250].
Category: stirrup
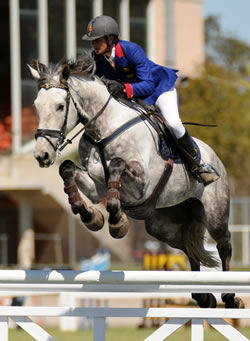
[205,174]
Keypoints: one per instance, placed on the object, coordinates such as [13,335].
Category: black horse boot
[202,172]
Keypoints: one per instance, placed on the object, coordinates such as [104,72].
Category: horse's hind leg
[118,221]
[206,300]
[224,247]
[217,225]
[90,216]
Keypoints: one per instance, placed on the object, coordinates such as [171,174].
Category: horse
[120,160]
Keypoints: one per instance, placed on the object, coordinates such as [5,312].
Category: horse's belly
[179,188]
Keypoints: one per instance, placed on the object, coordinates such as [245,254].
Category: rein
[69,141]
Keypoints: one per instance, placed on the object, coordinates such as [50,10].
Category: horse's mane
[84,66]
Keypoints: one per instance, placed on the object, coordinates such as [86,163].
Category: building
[36,223]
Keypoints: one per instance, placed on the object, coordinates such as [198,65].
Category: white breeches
[168,106]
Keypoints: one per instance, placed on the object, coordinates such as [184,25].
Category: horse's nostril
[46,156]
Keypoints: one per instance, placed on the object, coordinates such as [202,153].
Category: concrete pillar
[97,8]
[15,73]
[70,13]
[26,245]
[170,33]
[124,20]
[151,34]
[43,33]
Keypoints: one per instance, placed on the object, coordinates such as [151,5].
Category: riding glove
[116,88]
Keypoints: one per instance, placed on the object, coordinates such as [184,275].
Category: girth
[146,209]
[100,145]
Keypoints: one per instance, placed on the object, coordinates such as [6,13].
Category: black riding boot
[203,173]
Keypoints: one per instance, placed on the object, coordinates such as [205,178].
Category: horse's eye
[60,107]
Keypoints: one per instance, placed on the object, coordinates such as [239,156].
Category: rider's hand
[116,88]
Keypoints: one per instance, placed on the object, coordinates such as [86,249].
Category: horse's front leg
[90,216]
[133,173]
[118,221]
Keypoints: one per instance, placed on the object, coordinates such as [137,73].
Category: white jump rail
[21,282]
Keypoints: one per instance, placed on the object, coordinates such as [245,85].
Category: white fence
[20,282]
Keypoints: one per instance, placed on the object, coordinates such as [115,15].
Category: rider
[131,73]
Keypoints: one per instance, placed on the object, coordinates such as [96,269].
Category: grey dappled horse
[126,168]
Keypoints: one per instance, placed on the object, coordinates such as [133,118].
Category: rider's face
[100,45]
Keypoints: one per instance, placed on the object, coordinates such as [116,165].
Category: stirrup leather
[205,174]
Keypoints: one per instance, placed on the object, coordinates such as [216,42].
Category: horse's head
[52,105]
[67,94]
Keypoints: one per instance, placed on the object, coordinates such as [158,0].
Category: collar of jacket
[118,50]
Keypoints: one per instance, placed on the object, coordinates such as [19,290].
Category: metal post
[99,329]
[4,328]
[70,14]
[124,19]
[15,70]
[245,234]
[197,330]
[43,49]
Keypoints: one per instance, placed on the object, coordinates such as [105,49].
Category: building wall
[160,34]
[189,36]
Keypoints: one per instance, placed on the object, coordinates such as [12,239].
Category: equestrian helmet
[101,26]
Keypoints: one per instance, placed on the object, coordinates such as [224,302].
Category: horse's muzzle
[43,159]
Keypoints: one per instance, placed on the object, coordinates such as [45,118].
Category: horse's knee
[225,249]
[113,196]
[67,170]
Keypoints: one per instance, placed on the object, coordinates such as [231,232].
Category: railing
[20,282]
[240,246]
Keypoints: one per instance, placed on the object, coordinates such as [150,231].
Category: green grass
[121,334]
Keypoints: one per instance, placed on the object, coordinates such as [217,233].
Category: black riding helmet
[102,26]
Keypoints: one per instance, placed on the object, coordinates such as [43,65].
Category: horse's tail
[193,238]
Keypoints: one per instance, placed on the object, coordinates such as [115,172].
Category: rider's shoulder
[130,47]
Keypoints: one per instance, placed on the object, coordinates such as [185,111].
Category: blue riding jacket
[141,77]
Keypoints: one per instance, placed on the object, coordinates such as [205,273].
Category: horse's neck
[91,98]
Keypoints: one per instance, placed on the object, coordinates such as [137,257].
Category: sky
[234,16]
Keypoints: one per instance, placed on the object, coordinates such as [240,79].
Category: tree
[221,95]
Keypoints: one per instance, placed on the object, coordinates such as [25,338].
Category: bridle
[60,134]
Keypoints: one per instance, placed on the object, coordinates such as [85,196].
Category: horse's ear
[36,68]
[65,72]
[34,72]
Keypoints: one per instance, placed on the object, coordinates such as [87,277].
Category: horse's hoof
[97,221]
[119,230]
[236,303]
[205,300]
[239,303]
